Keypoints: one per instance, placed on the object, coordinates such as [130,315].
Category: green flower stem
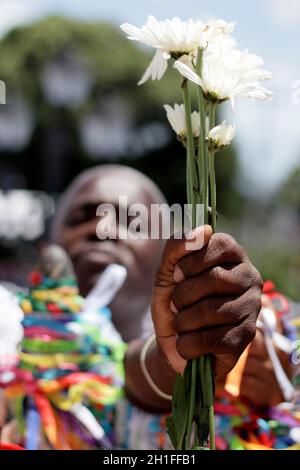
[210,401]
[212,175]
[191,171]
[213,202]
[205,369]
[191,405]
[188,181]
[192,199]
[202,147]
[202,399]
[200,370]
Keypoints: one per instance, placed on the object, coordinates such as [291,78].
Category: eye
[76,218]
[82,214]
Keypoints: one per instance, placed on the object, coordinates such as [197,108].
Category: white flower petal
[156,69]
[132,31]
[232,103]
[227,73]
[222,135]
[187,72]
[177,119]
[171,36]
[217,31]
[196,123]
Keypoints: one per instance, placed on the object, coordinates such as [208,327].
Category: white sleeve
[11,330]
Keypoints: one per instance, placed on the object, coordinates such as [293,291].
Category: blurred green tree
[113,65]
[289,194]
[32,57]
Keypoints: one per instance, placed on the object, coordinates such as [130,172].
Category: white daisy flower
[176,118]
[220,137]
[216,31]
[172,38]
[228,74]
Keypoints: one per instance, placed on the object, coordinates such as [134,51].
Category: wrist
[137,387]
[159,368]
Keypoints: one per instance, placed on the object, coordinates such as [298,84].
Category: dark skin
[203,301]
[187,289]
[75,230]
[211,297]
[259,384]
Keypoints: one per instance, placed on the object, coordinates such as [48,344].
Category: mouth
[94,261]
[89,266]
[91,261]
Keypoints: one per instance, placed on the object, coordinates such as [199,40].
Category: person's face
[90,255]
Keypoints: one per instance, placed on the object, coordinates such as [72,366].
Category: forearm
[138,389]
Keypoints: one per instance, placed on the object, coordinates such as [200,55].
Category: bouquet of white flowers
[206,55]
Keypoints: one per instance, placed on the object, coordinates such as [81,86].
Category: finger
[262,370]
[81,231]
[217,311]
[234,280]
[259,351]
[255,392]
[162,316]
[176,249]
[221,249]
[218,340]
[164,282]
[258,347]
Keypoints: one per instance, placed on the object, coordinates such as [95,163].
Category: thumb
[175,249]
[162,316]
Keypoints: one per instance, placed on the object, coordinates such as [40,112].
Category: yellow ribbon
[97,392]
[55,360]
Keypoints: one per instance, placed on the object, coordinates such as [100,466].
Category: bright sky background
[268,134]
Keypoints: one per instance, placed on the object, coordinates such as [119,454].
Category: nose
[108,228]
[89,230]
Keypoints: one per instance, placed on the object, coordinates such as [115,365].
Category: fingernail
[195,239]
[195,232]
[190,235]
[178,275]
[173,308]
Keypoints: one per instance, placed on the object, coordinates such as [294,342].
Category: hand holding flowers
[205,55]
